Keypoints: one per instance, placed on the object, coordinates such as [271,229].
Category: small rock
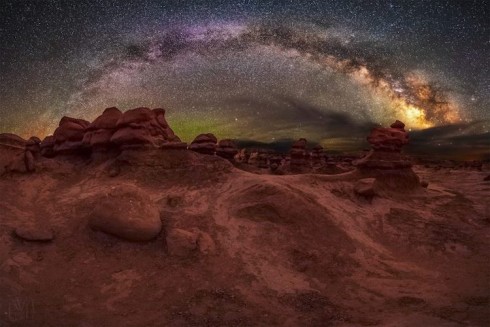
[206,244]
[365,187]
[34,233]
[182,243]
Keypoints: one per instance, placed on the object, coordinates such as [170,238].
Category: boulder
[204,143]
[34,233]
[99,132]
[181,242]
[227,149]
[142,127]
[69,135]
[127,212]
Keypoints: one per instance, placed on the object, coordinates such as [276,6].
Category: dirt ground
[293,250]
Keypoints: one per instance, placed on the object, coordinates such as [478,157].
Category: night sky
[256,70]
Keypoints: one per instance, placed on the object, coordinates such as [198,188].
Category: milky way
[327,71]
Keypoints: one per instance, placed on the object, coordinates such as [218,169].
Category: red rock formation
[12,140]
[317,156]
[227,149]
[100,131]
[298,154]
[204,143]
[69,135]
[143,127]
[385,161]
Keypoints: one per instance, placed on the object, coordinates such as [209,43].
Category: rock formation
[69,135]
[385,161]
[227,149]
[317,156]
[298,155]
[142,127]
[204,143]
[100,131]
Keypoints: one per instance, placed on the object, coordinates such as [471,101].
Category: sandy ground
[297,250]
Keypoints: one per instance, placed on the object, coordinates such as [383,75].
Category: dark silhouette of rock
[204,143]
[263,158]
[142,127]
[69,135]
[34,233]
[424,184]
[298,155]
[486,179]
[398,125]
[317,155]
[227,149]
[126,212]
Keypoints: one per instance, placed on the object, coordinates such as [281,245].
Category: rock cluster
[204,143]
[141,127]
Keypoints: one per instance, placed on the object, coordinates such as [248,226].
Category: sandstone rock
[47,147]
[227,149]
[35,233]
[127,212]
[99,132]
[204,143]
[182,243]
[12,140]
[365,187]
[29,161]
[398,125]
[205,243]
[69,135]
[388,139]
[298,155]
[143,127]
[317,155]
[34,146]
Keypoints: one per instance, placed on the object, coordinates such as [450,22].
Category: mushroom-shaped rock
[34,233]
[204,143]
[227,149]
[127,212]
[388,139]
[398,125]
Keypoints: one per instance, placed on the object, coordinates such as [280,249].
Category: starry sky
[254,70]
